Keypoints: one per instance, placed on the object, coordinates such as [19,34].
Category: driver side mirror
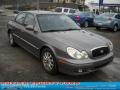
[30,27]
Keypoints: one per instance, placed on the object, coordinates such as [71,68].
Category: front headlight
[76,54]
[110,45]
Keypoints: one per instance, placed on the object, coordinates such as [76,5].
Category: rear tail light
[109,18]
[77,17]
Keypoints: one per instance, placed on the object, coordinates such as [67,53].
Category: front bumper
[84,68]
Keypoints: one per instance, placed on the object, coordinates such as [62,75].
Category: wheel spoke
[48,61]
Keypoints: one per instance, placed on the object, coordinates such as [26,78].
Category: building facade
[62,1]
[69,1]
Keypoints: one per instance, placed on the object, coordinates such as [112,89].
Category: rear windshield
[107,14]
[88,14]
[83,13]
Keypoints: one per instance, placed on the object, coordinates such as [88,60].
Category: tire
[49,62]
[115,28]
[86,24]
[98,28]
[11,40]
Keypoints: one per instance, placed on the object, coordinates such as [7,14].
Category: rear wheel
[49,61]
[115,28]
[11,39]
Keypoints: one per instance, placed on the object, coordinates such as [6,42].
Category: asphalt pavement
[16,64]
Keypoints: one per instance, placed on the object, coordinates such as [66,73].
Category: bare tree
[83,4]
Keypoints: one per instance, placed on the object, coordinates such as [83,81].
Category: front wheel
[49,61]
[11,39]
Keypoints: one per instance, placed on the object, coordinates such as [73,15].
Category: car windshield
[56,22]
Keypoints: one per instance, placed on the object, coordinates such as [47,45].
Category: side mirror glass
[30,27]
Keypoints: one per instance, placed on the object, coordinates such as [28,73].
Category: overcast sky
[106,1]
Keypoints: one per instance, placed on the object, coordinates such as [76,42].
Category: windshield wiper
[59,30]
[52,30]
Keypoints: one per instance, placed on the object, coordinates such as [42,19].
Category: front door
[29,36]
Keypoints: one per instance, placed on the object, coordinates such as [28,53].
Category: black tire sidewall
[114,28]
[12,44]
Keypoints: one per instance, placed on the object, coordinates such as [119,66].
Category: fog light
[80,70]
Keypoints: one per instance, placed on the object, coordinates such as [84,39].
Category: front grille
[101,51]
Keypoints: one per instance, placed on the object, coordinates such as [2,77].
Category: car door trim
[26,41]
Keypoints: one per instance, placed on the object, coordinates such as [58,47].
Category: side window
[20,18]
[58,10]
[117,16]
[72,11]
[65,10]
[29,20]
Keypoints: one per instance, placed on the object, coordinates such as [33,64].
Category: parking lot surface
[16,64]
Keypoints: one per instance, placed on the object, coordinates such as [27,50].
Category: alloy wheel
[48,61]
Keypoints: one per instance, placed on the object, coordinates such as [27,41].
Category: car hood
[81,40]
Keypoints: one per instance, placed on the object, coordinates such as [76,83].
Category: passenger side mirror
[30,27]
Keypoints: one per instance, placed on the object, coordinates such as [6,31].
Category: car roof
[109,13]
[41,12]
[66,8]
